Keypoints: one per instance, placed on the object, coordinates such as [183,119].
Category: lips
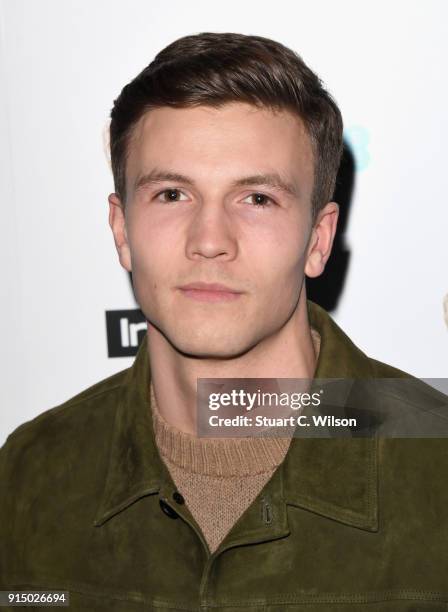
[210,292]
[201,286]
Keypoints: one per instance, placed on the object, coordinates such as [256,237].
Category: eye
[170,195]
[260,200]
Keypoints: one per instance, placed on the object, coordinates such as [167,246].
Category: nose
[211,233]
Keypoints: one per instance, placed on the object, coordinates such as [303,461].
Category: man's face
[207,226]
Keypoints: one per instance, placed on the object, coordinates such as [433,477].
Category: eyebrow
[271,179]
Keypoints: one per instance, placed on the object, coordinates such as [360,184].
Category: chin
[210,348]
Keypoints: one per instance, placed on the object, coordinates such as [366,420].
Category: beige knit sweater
[218,478]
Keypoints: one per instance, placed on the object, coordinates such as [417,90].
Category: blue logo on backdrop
[358,139]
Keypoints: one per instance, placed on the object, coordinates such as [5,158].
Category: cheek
[278,258]
[150,258]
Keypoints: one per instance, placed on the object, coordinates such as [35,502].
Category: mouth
[210,292]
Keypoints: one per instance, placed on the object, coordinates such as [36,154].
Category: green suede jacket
[344,524]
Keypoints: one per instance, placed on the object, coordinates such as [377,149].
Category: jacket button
[168,510]
[178,498]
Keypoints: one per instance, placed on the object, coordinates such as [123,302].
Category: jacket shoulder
[420,389]
[101,393]
[414,405]
[56,462]
[42,452]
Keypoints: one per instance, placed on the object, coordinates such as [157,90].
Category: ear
[117,222]
[321,240]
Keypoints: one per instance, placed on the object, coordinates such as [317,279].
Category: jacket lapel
[135,468]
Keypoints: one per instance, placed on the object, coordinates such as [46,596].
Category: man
[225,151]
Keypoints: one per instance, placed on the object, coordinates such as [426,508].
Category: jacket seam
[373,483]
[366,597]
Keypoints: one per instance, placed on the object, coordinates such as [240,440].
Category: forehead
[221,143]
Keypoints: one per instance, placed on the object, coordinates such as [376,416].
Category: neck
[289,353]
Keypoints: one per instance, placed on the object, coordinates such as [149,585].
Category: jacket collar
[135,467]
[336,478]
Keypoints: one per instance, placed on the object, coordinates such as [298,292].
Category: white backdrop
[63,62]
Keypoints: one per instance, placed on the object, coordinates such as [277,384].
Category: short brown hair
[211,69]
